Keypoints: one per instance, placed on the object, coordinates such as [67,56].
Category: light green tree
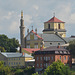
[57,68]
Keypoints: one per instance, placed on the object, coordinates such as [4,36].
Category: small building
[14,59]
[47,56]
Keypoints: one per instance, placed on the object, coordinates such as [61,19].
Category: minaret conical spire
[21,14]
[22,31]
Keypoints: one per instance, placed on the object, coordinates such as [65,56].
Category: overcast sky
[36,12]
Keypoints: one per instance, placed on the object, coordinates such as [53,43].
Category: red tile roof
[37,35]
[31,50]
[54,19]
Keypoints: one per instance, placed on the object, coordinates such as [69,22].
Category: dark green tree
[9,45]
[57,68]
[71,48]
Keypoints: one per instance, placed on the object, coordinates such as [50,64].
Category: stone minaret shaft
[22,31]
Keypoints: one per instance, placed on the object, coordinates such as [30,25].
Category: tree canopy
[57,68]
[4,70]
[71,48]
[9,45]
[2,49]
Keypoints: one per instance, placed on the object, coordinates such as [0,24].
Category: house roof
[31,50]
[36,34]
[54,19]
[68,39]
[53,50]
[50,37]
[13,54]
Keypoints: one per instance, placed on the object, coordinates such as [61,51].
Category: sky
[36,12]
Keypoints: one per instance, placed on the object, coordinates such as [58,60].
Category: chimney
[27,31]
[58,46]
[36,30]
[20,50]
[23,54]
[41,48]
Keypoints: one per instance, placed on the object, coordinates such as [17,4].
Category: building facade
[47,56]
[14,59]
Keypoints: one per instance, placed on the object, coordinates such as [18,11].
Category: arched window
[58,26]
[48,26]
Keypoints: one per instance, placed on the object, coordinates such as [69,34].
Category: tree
[4,70]
[71,48]
[2,49]
[19,72]
[9,45]
[57,68]
[35,73]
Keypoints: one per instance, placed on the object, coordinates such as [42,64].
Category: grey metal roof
[68,39]
[13,54]
[55,48]
[50,37]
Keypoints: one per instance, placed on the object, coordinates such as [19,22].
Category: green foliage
[9,45]
[57,68]
[19,72]
[4,70]
[35,73]
[2,49]
[71,48]
[29,70]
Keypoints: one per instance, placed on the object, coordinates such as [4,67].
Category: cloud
[27,20]
[8,15]
[14,27]
[35,7]
[72,18]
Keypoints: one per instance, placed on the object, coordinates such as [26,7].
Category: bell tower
[22,31]
[54,25]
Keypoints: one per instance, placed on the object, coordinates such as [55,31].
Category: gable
[33,36]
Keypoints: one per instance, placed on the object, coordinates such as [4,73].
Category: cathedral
[54,34]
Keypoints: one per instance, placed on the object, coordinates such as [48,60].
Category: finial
[54,14]
[32,27]
[36,30]
[21,14]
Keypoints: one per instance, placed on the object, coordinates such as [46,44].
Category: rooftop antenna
[54,14]
[32,27]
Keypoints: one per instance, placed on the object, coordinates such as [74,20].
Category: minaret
[22,31]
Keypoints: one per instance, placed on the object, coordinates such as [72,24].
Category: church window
[48,26]
[40,65]
[68,57]
[60,57]
[37,65]
[65,57]
[37,58]
[58,26]
[41,58]
[58,43]
[36,45]
[28,46]
[52,57]
[50,43]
